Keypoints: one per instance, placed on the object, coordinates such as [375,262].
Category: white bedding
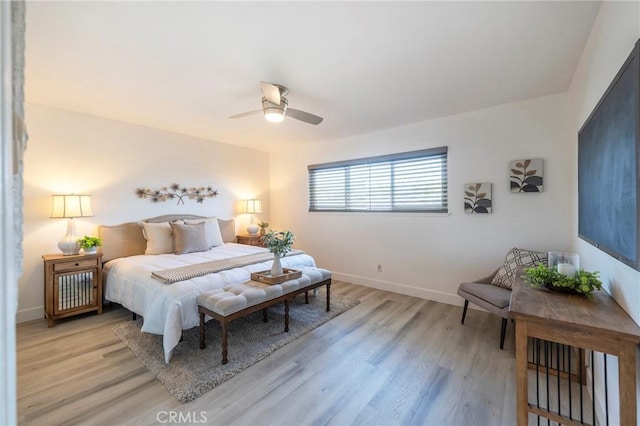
[167,309]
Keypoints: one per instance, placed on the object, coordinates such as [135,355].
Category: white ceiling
[363,66]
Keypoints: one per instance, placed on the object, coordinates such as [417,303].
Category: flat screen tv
[609,168]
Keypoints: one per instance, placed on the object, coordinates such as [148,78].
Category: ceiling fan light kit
[272,112]
[275,106]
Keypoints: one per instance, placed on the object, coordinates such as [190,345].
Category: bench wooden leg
[202,330]
[286,315]
[223,324]
[306,297]
[133,316]
[264,315]
[328,296]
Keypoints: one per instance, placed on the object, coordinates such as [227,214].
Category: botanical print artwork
[477,197]
[526,175]
[175,191]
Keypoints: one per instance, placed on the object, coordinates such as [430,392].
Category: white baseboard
[30,314]
[436,296]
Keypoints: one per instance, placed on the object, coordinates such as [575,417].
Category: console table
[598,324]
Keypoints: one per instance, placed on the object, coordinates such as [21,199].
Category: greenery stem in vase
[89,244]
[263,227]
[279,243]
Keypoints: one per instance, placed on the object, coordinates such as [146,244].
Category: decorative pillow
[121,240]
[189,238]
[159,237]
[211,230]
[228,230]
[505,277]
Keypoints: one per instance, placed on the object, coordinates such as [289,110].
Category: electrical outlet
[379,267]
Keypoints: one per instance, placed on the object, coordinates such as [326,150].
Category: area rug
[194,371]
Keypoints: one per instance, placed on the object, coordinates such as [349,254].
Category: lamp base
[69,245]
[253,229]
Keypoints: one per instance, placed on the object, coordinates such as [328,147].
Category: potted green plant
[583,282]
[263,227]
[279,243]
[89,244]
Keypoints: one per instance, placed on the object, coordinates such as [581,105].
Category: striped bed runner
[181,273]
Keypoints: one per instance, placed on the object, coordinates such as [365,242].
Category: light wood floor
[391,360]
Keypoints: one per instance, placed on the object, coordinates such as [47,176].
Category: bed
[130,257]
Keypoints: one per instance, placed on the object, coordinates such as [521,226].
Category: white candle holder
[566,263]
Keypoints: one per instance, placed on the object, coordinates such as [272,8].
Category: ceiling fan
[275,106]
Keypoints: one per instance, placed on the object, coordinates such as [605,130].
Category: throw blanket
[170,276]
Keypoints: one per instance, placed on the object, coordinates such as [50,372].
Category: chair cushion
[506,275]
[490,297]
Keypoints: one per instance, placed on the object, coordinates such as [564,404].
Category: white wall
[614,33]
[428,256]
[70,152]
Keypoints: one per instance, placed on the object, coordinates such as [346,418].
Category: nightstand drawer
[75,264]
[250,240]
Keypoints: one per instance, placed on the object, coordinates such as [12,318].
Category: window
[408,182]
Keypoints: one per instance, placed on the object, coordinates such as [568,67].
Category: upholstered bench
[238,300]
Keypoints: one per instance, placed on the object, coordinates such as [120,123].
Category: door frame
[8,279]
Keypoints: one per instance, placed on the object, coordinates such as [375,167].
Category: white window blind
[407,182]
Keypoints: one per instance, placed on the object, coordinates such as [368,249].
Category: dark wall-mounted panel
[608,168]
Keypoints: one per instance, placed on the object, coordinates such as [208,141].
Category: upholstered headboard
[127,239]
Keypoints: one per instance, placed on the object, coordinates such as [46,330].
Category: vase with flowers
[279,243]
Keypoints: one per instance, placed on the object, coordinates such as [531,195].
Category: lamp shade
[252,206]
[71,205]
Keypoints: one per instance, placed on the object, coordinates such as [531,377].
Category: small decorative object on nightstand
[90,244]
[72,285]
[250,240]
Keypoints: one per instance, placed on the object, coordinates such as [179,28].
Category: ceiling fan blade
[271,92]
[244,114]
[304,116]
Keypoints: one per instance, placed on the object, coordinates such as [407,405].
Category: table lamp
[251,207]
[69,206]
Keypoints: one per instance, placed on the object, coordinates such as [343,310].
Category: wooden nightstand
[250,240]
[72,285]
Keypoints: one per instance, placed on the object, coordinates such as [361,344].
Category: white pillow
[159,237]
[211,230]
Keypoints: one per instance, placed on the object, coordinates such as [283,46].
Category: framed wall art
[526,175]
[477,198]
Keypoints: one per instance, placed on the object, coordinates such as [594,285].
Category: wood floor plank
[391,360]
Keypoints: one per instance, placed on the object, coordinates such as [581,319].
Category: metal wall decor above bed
[177,192]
